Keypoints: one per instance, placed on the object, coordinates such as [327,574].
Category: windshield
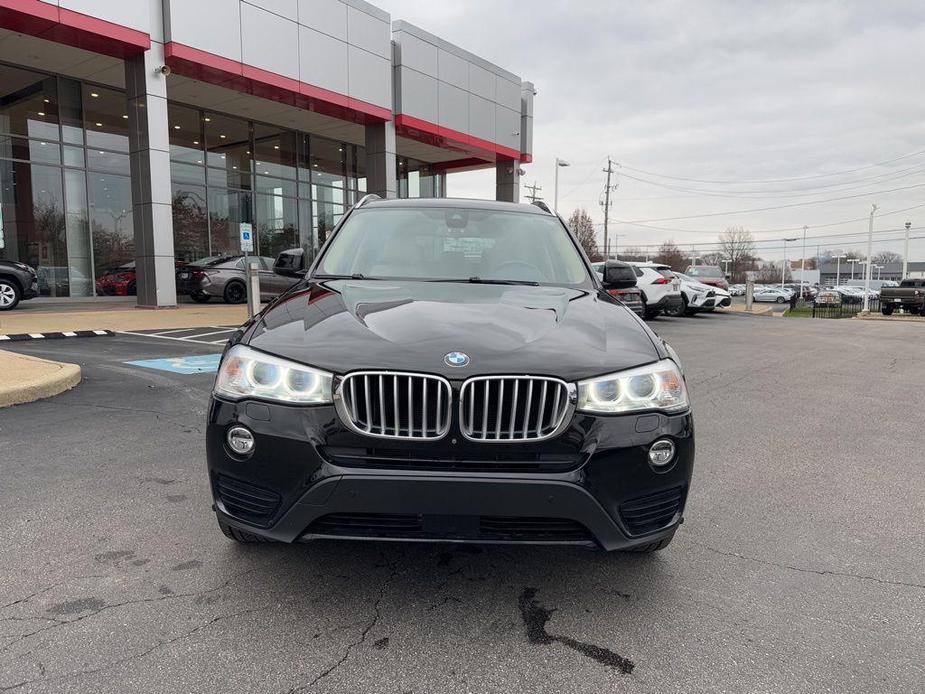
[454,244]
[705,271]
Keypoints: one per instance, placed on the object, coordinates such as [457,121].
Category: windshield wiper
[479,280]
[354,276]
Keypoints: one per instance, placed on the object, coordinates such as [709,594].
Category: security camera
[521,172]
[163,69]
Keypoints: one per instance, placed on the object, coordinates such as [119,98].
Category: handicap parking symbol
[196,364]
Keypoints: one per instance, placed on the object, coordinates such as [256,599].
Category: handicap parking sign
[247,237]
[197,364]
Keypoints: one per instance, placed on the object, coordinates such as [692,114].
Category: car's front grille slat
[513,408]
[395,405]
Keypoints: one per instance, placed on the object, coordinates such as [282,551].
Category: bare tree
[769,273]
[738,246]
[583,228]
[884,257]
[670,254]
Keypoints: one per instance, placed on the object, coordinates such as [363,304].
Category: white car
[661,290]
[737,289]
[772,295]
[696,296]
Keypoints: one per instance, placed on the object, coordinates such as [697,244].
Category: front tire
[240,536]
[200,297]
[886,310]
[781,300]
[9,295]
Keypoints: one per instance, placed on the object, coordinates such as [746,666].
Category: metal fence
[844,309]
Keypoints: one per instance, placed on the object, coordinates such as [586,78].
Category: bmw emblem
[456,359]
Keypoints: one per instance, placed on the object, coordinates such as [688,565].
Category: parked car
[708,274]
[661,290]
[695,296]
[224,277]
[806,291]
[737,289]
[772,295]
[622,284]
[909,296]
[117,281]
[18,282]
[380,397]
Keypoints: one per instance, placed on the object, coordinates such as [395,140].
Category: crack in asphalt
[803,569]
[125,603]
[393,572]
[136,656]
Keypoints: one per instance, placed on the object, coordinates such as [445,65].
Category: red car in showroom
[117,281]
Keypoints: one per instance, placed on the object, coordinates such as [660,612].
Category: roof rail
[542,205]
[366,198]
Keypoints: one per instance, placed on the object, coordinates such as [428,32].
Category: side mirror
[618,275]
[290,263]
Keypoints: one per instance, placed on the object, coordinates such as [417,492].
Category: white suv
[661,290]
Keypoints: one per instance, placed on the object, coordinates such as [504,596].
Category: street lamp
[853,261]
[803,261]
[878,268]
[870,241]
[783,267]
[555,196]
[837,269]
[906,252]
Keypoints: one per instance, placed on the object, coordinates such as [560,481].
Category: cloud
[713,90]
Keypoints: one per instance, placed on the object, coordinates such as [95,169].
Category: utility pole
[609,171]
[906,252]
[533,197]
[870,242]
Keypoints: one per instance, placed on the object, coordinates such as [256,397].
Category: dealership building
[139,135]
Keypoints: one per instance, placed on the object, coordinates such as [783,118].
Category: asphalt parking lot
[800,567]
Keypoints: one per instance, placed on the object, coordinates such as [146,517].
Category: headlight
[247,373]
[658,386]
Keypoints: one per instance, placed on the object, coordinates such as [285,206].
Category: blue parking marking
[198,364]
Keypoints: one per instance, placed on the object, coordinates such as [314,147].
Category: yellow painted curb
[25,379]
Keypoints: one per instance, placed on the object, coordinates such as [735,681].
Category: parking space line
[175,330]
[217,332]
[154,335]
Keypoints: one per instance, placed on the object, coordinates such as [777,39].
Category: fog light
[240,440]
[661,452]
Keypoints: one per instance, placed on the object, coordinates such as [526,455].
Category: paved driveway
[800,568]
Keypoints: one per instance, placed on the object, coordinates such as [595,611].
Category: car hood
[345,325]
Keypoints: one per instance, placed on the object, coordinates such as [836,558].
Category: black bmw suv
[450,370]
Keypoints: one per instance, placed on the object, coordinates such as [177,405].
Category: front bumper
[32,290]
[309,477]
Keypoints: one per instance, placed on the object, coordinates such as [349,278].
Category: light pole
[837,269]
[870,243]
[803,260]
[906,252]
[853,261]
[555,195]
[879,268]
[783,267]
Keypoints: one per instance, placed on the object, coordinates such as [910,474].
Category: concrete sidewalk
[75,318]
[25,378]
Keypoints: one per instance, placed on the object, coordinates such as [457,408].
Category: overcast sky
[731,93]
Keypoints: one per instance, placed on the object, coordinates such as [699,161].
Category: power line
[789,193]
[777,230]
[775,180]
[773,207]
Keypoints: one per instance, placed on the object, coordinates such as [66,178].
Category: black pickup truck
[909,296]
